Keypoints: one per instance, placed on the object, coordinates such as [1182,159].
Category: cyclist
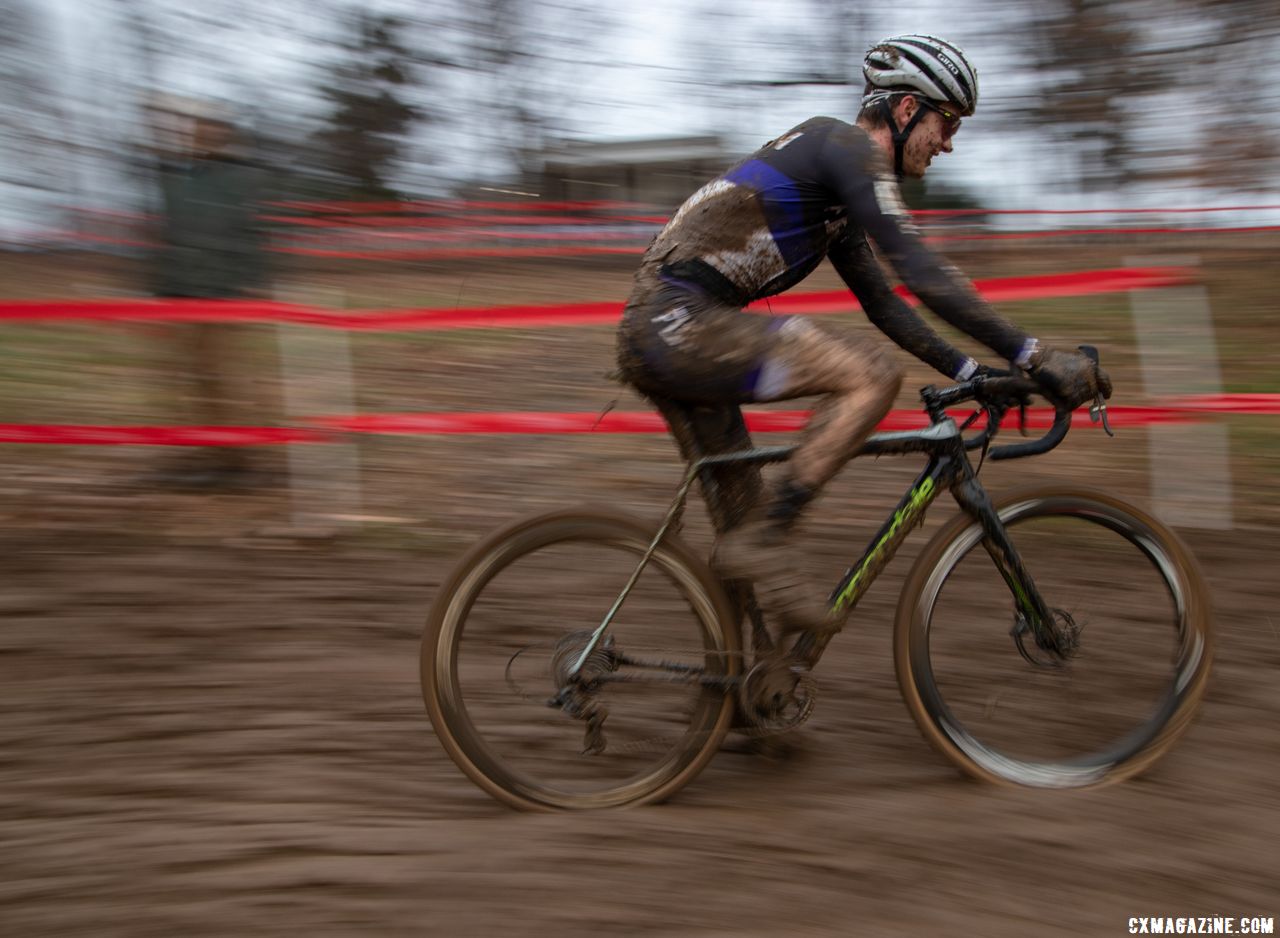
[824,189]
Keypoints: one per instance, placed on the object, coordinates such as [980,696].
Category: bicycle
[604,709]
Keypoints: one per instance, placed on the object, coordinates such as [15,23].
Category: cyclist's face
[932,135]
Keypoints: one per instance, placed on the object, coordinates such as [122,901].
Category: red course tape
[330,429]
[998,289]
[82,435]
[1079,283]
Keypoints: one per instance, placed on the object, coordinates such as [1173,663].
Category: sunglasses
[950,119]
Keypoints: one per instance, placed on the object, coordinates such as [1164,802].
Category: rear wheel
[1125,590]
[512,621]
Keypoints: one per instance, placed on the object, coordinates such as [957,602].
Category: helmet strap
[900,136]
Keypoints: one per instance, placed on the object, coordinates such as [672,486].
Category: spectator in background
[209,246]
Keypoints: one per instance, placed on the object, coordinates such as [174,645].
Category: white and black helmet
[932,67]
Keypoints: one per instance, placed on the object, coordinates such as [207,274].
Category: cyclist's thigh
[805,358]
[692,347]
[699,359]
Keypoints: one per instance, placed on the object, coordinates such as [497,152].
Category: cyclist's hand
[1070,378]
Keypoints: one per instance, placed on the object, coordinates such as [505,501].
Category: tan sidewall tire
[1197,617]
[587,523]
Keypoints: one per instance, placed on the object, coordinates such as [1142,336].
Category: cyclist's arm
[870,195]
[858,267]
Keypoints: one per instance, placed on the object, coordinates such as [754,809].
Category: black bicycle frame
[948,468]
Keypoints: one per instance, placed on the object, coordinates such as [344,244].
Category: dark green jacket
[212,243]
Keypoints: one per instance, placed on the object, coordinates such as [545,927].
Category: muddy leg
[708,430]
[859,381]
[730,492]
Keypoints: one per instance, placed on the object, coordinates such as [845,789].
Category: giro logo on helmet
[932,67]
[955,69]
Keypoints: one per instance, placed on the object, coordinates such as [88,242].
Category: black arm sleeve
[871,198]
[858,268]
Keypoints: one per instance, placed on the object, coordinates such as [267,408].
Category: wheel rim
[509,737]
[1072,728]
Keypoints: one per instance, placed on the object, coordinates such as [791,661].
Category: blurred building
[660,171]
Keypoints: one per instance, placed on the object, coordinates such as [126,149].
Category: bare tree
[369,116]
[534,64]
[1146,90]
[34,136]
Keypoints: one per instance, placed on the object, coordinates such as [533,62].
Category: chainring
[776,697]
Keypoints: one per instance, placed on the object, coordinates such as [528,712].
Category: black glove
[1069,378]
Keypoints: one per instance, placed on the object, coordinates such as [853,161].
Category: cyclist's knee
[877,368]
[888,375]
[881,377]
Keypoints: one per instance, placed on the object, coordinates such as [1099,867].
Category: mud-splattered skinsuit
[820,190]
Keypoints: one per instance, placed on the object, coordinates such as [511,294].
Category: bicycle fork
[1057,639]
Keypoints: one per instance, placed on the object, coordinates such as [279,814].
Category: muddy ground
[212,724]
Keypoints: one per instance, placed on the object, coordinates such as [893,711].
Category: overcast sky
[647,92]
[649,95]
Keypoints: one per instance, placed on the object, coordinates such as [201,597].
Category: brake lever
[1098,412]
[1098,409]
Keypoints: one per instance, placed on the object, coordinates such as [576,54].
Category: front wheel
[1134,607]
[651,703]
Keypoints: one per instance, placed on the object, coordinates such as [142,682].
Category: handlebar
[997,393]
[1057,433]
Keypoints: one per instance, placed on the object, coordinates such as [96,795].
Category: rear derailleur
[577,694]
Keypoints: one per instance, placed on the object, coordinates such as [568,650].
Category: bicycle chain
[757,731]
[806,693]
